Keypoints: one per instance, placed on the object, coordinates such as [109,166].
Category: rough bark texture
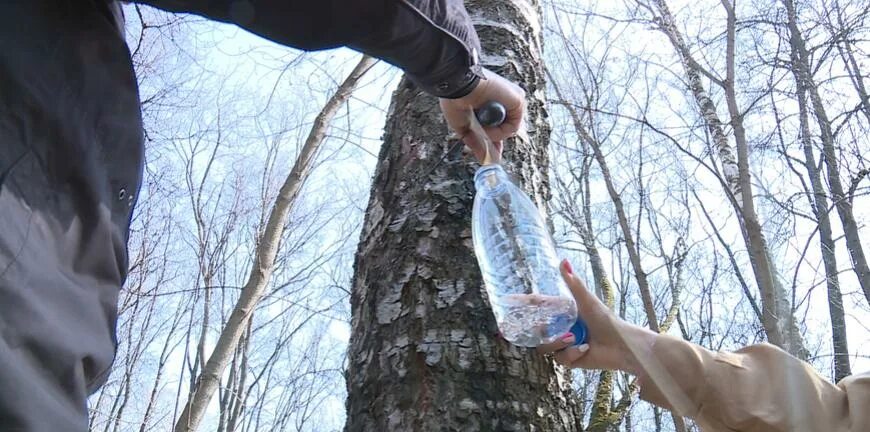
[264,261]
[424,353]
[800,60]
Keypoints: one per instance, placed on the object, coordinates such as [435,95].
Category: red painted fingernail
[567,337]
[567,266]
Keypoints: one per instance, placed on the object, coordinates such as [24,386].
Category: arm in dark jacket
[433,41]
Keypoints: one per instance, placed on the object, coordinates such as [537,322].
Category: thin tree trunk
[778,310]
[633,255]
[133,346]
[423,355]
[847,53]
[694,74]
[574,206]
[777,317]
[841,201]
[165,351]
[657,419]
[819,204]
[602,416]
[225,391]
[264,260]
[679,423]
[731,259]
[240,392]
[134,355]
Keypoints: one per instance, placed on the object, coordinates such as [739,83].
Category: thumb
[581,294]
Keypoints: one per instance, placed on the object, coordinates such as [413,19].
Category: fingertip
[574,283]
[567,272]
[566,267]
[565,341]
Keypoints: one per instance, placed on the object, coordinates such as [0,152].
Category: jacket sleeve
[433,41]
[758,388]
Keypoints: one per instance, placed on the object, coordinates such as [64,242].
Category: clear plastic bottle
[517,257]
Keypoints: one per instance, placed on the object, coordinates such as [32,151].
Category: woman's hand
[612,341]
[458,112]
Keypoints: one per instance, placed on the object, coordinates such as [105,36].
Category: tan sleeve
[758,388]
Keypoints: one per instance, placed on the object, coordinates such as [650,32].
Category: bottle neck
[490,179]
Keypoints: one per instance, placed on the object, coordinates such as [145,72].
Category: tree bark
[264,260]
[830,157]
[423,352]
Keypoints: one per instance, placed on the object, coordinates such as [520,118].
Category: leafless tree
[267,249]
[777,314]
[808,89]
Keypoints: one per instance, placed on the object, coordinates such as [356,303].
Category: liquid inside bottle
[518,261]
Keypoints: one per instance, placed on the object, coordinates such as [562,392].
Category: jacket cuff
[459,77]
[446,62]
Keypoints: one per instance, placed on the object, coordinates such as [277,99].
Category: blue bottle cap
[580,331]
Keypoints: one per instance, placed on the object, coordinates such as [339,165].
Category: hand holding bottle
[612,341]
[517,256]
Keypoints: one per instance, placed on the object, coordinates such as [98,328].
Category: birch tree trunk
[777,317]
[819,203]
[423,352]
[267,249]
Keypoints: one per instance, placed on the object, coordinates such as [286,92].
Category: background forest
[704,165]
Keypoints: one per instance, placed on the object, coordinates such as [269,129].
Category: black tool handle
[491,114]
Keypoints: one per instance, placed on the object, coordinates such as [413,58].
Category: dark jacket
[71,157]
[433,41]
